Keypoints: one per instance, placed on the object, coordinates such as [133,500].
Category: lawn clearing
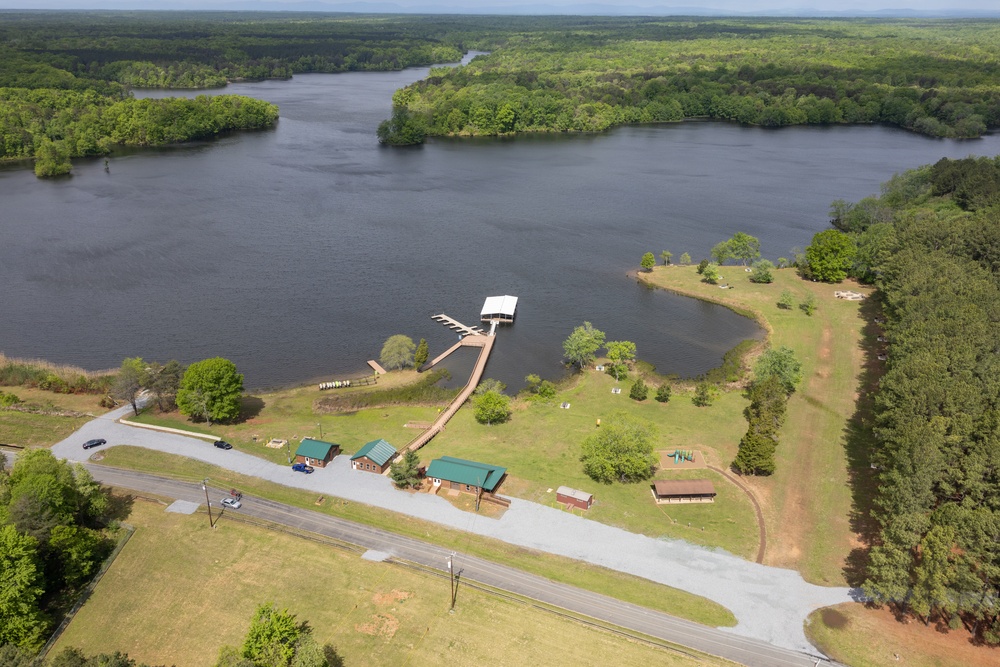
[289,414]
[180,590]
[807,502]
[44,430]
[867,637]
[601,580]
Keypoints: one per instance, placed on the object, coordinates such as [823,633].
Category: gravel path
[770,604]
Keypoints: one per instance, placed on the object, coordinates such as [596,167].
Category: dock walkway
[455,325]
[485,343]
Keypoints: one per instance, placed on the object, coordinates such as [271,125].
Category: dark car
[222,444]
[94,443]
[302,467]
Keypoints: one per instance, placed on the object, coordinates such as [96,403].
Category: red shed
[574,498]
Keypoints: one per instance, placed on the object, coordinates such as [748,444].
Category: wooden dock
[485,343]
[375,366]
[455,325]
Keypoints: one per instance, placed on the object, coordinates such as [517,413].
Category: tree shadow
[250,407]
[119,505]
[860,444]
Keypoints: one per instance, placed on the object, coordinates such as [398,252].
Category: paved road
[744,650]
[770,604]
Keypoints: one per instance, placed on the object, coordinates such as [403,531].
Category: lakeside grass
[557,568]
[44,430]
[180,590]
[808,502]
[540,446]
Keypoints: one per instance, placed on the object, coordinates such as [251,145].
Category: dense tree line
[931,243]
[51,542]
[934,77]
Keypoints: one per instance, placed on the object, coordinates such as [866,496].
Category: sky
[785,7]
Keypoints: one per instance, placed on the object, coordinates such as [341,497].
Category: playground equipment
[682,455]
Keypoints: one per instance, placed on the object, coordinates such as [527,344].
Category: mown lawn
[44,430]
[180,590]
[540,446]
[290,415]
[808,501]
[622,586]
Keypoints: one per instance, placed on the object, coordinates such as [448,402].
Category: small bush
[663,393]
[639,390]
[7,400]
[786,300]
[704,395]
[809,305]
[702,265]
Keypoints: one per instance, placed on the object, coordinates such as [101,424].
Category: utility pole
[320,430]
[208,502]
[451,571]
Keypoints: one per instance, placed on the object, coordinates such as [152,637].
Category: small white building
[499,309]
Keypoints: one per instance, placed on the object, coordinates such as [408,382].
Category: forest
[931,243]
[938,78]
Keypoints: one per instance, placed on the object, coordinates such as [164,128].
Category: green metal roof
[466,472]
[378,451]
[315,449]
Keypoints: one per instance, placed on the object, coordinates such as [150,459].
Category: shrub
[663,393]
[702,265]
[762,272]
[639,390]
[8,399]
[809,305]
[787,300]
[704,395]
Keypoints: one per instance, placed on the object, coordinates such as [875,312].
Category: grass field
[608,582]
[180,590]
[540,446]
[865,637]
[44,430]
[288,414]
[808,502]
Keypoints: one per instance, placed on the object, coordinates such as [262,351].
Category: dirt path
[761,528]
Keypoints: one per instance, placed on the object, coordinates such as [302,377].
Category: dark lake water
[297,251]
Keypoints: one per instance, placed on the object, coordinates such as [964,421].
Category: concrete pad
[183,507]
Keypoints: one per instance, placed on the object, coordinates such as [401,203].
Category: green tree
[22,622]
[404,128]
[52,158]
[710,274]
[490,384]
[808,305]
[685,259]
[704,394]
[781,363]
[831,255]
[744,247]
[422,354]
[663,393]
[272,637]
[665,256]
[211,390]
[405,471]
[583,344]
[622,450]
[129,381]
[491,407]
[702,265]
[721,252]
[397,352]
[755,455]
[620,353]
[786,300]
[762,272]
[79,552]
[164,381]
[538,387]
[639,390]
[648,262]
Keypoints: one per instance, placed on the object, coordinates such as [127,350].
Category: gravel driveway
[770,604]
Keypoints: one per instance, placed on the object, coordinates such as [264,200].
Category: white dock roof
[500,305]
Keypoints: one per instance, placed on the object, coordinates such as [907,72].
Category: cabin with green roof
[465,476]
[316,452]
[375,456]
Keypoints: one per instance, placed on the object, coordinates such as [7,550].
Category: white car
[232,502]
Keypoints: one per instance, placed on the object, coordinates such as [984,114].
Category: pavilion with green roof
[467,476]
[375,456]
[316,452]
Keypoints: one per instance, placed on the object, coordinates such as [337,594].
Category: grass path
[808,502]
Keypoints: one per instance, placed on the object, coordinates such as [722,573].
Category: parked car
[232,502]
[302,467]
[94,443]
[222,444]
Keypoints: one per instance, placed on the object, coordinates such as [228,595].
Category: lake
[297,251]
